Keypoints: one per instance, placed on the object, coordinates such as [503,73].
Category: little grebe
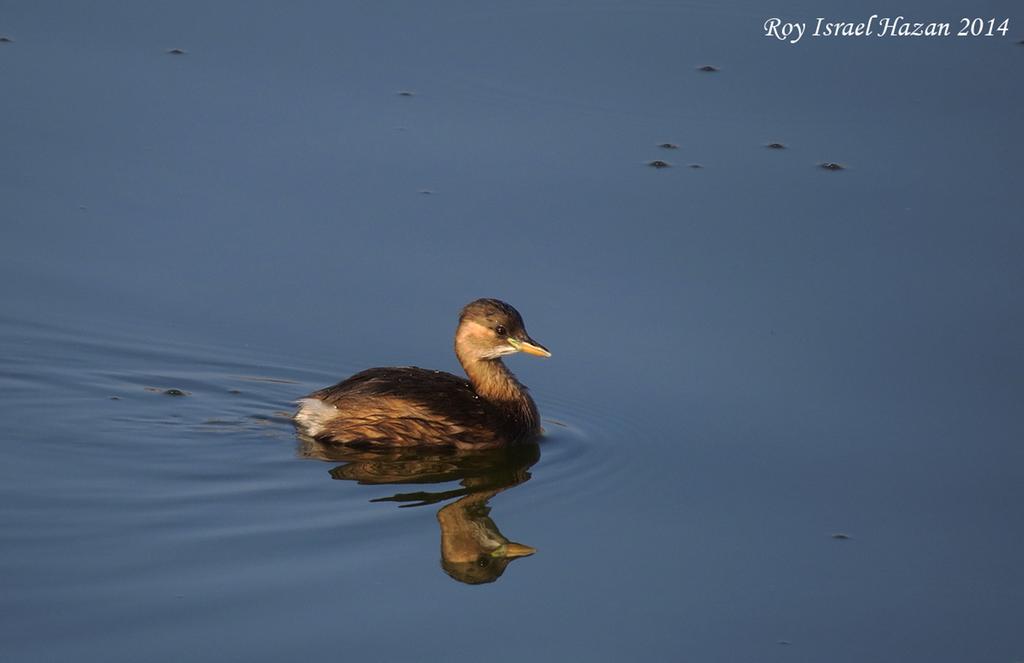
[414,406]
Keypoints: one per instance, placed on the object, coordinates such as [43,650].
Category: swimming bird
[407,406]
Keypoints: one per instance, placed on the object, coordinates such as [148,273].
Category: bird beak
[529,346]
[512,550]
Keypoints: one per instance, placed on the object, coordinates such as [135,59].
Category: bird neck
[493,382]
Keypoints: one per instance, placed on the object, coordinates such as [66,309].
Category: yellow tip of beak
[529,348]
[518,550]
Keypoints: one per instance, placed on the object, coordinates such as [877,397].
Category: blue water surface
[783,412]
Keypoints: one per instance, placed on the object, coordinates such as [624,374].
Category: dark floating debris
[841,536]
[167,392]
[406,93]
[784,642]
[775,146]
[696,166]
[669,146]
[4,39]
[176,51]
[426,192]
[831,165]
[658,163]
[115,398]
[234,391]
[708,68]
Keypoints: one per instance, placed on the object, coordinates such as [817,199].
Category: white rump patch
[313,415]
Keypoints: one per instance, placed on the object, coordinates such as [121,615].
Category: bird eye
[500,330]
[483,561]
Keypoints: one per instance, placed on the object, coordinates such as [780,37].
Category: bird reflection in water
[473,549]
